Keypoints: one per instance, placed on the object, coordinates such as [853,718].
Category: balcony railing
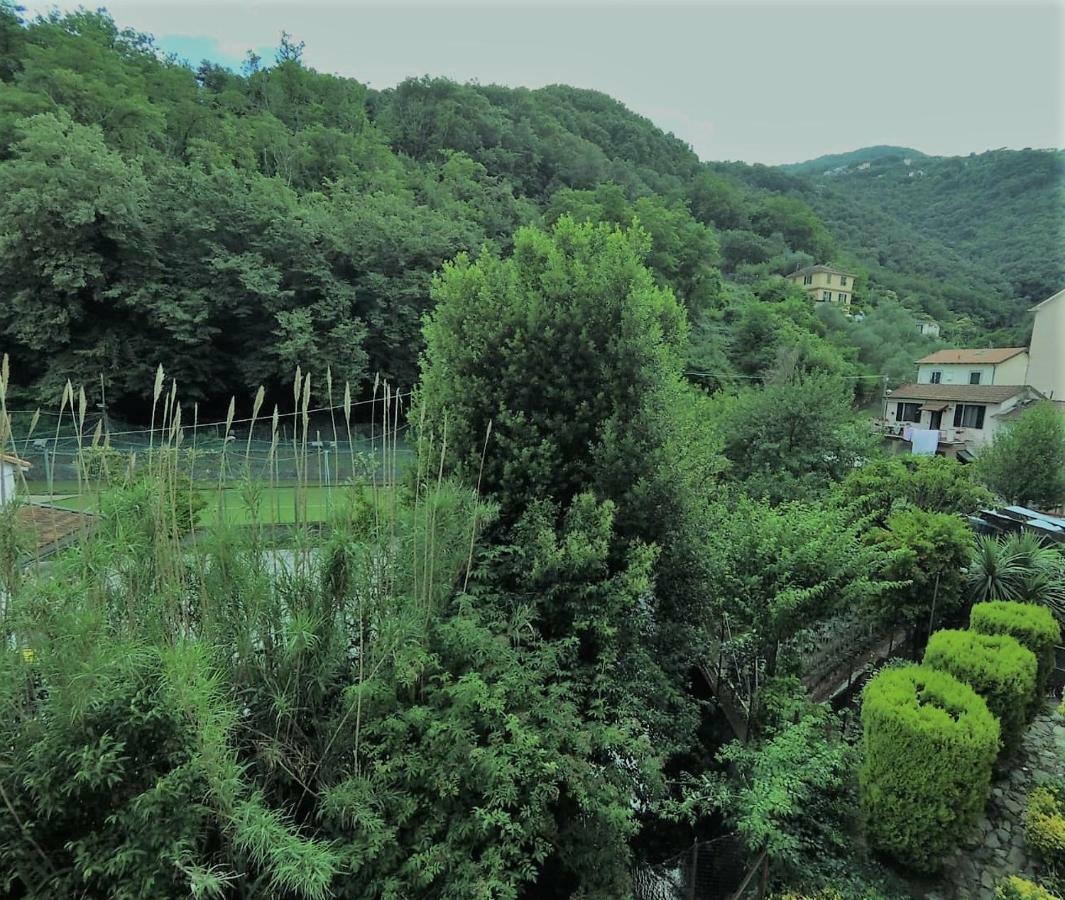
[897,430]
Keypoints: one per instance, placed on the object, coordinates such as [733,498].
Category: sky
[758,81]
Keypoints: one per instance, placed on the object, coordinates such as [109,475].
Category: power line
[725,376]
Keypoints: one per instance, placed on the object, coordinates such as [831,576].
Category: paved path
[998,847]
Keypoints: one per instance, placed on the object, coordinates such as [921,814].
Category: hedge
[1044,825]
[997,667]
[930,742]
[1013,887]
[1032,625]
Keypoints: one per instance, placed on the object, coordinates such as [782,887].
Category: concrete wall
[1046,369]
[1012,371]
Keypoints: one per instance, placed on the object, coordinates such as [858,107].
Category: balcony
[948,437]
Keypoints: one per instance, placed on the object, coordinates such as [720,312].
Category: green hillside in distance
[851,158]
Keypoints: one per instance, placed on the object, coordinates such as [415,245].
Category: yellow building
[825,285]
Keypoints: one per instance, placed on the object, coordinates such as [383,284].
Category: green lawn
[277,505]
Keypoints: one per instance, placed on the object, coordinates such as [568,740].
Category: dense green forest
[228,225]
[610,589]
[982,235]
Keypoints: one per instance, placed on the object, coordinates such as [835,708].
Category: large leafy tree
[1026,462]
[556,371]
[791,439]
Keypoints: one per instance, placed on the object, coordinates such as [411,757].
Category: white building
[1002,365]
[10,469]
[928,327]
[951,419]
[1046,367]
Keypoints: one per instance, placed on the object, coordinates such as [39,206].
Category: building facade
[951,419]
[824,284]
[1046,367]
[997,366]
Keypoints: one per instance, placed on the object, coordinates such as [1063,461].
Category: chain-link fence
[208,454]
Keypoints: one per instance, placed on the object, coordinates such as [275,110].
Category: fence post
[694,868]
[763,881]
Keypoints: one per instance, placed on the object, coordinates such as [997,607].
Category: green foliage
[788,794]
[935,226]
[932,483]
[997,667]
[776,569]
[1044,823]
[1033,626]
[1014,887]
[791,440]
[1025,463]
[929,744]
[929,550]
[1018,567]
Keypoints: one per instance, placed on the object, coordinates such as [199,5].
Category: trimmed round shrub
[1032,625]
[1013,887]
[997,667]
[930,743]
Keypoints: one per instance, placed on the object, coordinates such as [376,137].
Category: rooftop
[15,461]
[989,356]
[53,528]
[1048,300]
[959,393]
[809,270]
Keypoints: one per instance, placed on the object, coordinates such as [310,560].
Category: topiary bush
[1034,626]
[1044,824]
[997,667]
[1014,887]
[930,742]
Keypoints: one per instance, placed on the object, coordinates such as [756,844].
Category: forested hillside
[990,224]
[230,226]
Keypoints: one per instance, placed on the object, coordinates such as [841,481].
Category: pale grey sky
[762,82]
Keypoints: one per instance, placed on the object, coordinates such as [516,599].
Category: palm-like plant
[994,571]
[1019,567]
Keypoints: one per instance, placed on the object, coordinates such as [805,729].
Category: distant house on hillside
[10,467]
[949,418]
[1046,368]
[825,285]
[928,327]
[1008,365]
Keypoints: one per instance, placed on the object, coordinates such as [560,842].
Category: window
[937,377]
[826,296]
[807,279]
[828,279]
[968,416]
[909,412]
[842,280]
[974,378]
[842,298]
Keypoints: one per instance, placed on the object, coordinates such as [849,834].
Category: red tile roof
[960,393]
[990,356]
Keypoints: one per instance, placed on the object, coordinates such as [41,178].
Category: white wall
[952,373]
[1012,371]
[1046,370]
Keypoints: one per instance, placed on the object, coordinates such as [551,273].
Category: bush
[1034,626]
[997,667]
[1016,888]
[1045,822]
[930,742]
